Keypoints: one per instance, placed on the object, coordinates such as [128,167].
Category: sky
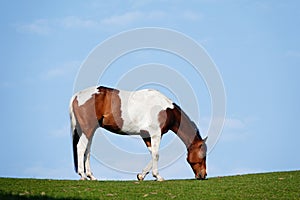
[254,44]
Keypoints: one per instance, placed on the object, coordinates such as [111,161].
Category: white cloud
[63,131]
[234,129]
[237,129]
[39,26]
[139,4]
[77,22]
[54,73]
[47,26]
[191,16]
[229,123]
[134,17]
[233,123]
[156,15]
[124,19]
[62,70]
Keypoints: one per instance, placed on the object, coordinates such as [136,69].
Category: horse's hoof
[140,177]
[92,178]
[159,178]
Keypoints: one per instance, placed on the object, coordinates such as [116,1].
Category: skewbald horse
[147,113]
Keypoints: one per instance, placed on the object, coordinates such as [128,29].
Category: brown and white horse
[147,113]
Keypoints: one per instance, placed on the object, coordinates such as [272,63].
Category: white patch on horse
[81,149]
[72,115]
[140,109]
[84,95]
[201,154]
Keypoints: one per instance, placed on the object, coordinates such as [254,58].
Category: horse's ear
[205,139]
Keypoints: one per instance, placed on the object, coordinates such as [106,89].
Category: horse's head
[197,158]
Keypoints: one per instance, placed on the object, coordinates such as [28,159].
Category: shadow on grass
[20,197]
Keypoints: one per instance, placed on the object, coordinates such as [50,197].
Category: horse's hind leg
[87,165]
[81,149]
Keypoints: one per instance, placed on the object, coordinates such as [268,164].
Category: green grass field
[279,185]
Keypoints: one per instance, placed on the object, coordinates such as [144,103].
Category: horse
[146,112]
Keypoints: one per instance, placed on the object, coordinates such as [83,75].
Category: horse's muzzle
[200,177]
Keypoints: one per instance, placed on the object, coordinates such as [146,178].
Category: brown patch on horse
[197,158]
[166,120]
[108,109]
[102,109]
[86,116]
[146,137]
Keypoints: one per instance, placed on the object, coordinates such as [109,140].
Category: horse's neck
[184,127]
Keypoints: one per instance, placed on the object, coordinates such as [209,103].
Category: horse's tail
[74,133]
[75,155]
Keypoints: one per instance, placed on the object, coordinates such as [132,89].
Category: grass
[279,185]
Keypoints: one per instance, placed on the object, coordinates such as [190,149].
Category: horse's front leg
[146,170]
[155,142]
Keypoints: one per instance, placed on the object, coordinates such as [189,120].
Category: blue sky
[255,45]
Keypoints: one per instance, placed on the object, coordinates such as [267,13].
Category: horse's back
[145,97]
[140,109]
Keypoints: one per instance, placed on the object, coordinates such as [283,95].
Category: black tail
[75,155]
